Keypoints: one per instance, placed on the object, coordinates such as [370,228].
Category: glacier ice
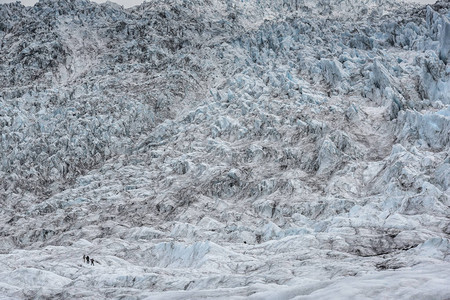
[289,149]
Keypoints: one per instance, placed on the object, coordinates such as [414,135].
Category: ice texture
[287,149]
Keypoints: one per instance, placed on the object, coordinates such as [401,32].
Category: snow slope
[289,149]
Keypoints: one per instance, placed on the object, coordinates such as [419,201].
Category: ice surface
[225,149]
[444,39]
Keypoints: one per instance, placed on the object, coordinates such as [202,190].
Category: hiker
[87,259]
[84,257]
[92,261]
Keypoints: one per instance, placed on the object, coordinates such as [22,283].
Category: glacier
[222,149]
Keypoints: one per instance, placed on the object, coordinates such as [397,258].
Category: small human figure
[87,259]
[92,261]
[84,257]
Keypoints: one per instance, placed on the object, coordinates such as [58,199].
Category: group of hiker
[88,260]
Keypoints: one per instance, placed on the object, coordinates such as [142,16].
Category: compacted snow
[196,149]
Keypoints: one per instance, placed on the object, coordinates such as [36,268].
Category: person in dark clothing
[92,261]
[87,259]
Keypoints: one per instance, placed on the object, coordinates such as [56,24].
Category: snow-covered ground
[287,149]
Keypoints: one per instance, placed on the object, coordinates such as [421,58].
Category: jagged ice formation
[287,149]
